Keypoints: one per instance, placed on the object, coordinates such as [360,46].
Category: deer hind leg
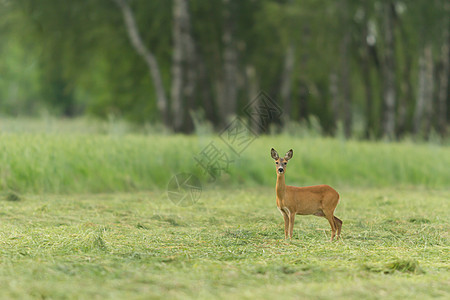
[330,219]
[338,224]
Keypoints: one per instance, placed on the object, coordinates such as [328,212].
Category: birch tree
[184,73]
[149,58]
[389,67]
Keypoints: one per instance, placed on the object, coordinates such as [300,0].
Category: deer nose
[280,170]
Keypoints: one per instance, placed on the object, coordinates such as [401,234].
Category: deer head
[281,163]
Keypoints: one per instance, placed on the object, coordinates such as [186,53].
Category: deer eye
[285,163]
[276,162]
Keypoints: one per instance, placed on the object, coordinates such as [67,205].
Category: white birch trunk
[149,58]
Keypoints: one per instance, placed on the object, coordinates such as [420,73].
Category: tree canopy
[378,68]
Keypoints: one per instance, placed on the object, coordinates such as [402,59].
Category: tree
[389,69]
[230,62]
[406,89]
[444,76]
[149,58]
[213,55]
[286,81]
[423,111]
[184,74]
[366,58]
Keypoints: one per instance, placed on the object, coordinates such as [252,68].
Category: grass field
[230,244]
[84,214]
[98,163]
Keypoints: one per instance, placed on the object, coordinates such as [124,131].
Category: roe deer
[318,200]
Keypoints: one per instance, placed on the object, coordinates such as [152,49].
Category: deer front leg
[286,226]
[286,223]
[291,223]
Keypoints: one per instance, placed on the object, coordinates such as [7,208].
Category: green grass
[230,244]
[84,214]
[95,163]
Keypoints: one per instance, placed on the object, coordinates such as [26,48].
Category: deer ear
[274,154]
[289,155]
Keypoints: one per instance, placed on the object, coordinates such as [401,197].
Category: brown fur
[318,200]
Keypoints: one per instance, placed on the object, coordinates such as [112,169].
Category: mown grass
[229,244]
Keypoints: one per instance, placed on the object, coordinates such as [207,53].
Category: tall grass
[98,162]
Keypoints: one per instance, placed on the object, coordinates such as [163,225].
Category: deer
[317,200]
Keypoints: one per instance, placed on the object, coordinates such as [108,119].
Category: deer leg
[330,219]
[338,224]
[286,226]
[286,223]
[291,224]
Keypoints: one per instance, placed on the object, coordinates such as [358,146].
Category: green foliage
[19,66]
[75,58]
[85,61]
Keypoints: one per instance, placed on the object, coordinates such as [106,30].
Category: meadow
[85,214]
[62,157]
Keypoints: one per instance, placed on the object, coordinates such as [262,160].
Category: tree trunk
[191,59]
[389,91]
[205,89]
[368,42]
[253,89]
[344,111]
[177,65]
[406,96]
[230,63]
[303,95]
[286,82]
[346,85]
[183,67]
[423,112]
[443,81]
[420,102]
[369,125]
[149,58]
[303,82]
[335,101]
[429,77]
[221,102]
